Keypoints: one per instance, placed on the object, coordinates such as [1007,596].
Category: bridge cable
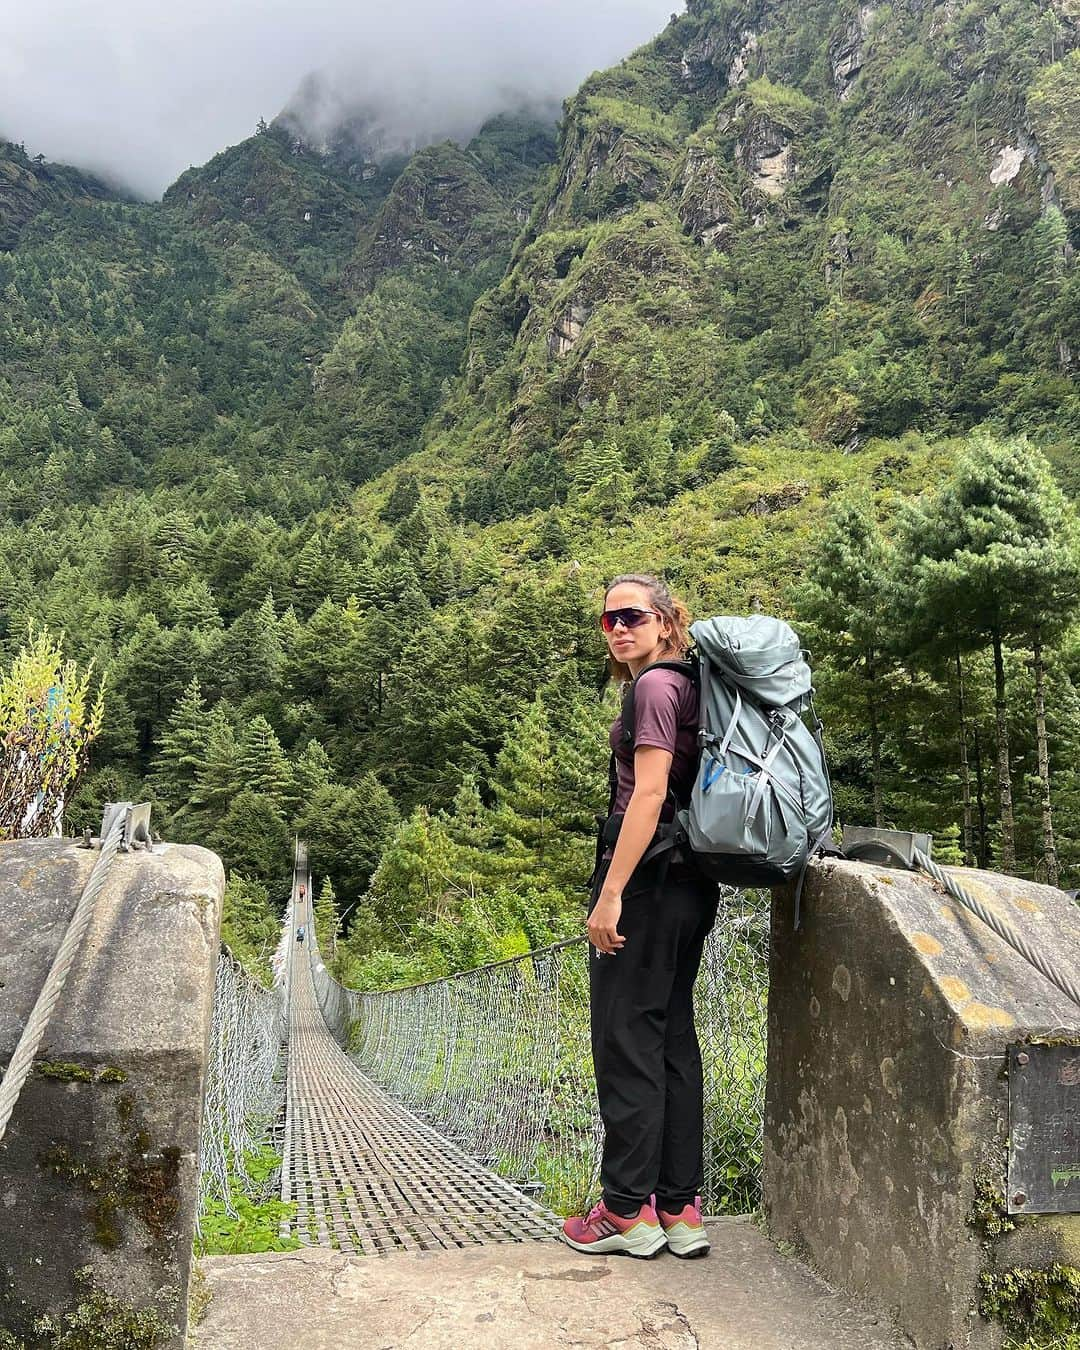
[22,1061]
[1004,930]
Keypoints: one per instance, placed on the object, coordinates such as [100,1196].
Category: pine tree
[413,876]
[262,765]
[312,770]
[217,778]
[1050,591]
[253,839]
[986,542]
[844,597]
[469,829]
[183,749]
[524,793]
[579,723]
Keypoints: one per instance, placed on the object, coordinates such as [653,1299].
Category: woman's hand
[603,924]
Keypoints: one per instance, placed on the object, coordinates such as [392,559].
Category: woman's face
[642,645]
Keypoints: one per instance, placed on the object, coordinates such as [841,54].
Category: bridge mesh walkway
[365,1173]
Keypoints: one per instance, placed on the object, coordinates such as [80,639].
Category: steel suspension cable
[1004,930]
[22,1061]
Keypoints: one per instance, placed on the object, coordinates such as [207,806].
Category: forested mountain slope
[327,460]
[29,186]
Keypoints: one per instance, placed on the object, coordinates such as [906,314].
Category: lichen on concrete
[989,1212]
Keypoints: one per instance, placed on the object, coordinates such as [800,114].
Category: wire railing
[245,1082]
[498,1059]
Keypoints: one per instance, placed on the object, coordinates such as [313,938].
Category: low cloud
[138,90]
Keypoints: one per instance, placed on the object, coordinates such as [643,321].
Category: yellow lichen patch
[991,899]
[955,989]
[983,1017]
[990,957]
[948,913]
[1028,906]
[929,946]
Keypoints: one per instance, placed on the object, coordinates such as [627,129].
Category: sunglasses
[630,617]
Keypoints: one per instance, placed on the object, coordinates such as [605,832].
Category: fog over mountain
[138,90]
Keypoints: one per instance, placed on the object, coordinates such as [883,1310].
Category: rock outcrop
[847,51]
[568,328]
[763,150]
[706,203]
[441,210]
[610,166]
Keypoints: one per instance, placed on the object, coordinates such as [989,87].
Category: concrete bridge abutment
[99,1164]
[887,1126]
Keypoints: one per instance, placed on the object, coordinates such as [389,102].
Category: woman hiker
[647,927]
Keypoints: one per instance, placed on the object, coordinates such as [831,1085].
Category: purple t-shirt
[665,715]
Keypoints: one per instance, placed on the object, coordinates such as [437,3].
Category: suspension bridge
[458,1117]
[462,1111]
[429,1137]
[365,1173]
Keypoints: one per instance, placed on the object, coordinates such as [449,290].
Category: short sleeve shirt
[666,716]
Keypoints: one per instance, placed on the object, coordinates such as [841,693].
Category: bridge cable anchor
[136,824]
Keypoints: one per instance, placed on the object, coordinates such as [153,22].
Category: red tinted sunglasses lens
[629,618]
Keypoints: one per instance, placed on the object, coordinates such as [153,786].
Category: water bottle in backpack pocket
[741,830]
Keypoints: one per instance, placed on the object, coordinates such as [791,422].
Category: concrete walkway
[744,1296]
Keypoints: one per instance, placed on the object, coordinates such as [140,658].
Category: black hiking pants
[645,1048]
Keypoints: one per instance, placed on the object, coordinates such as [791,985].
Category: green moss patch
[989,1213]
[62,1071]
[1037,1308]
[135,1180]
[100,1321]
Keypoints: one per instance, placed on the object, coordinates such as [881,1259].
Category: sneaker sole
[616,1245]
[689,1244]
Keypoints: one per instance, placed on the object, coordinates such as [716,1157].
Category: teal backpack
[761,803]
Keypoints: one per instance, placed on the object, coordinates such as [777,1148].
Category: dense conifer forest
[323,462]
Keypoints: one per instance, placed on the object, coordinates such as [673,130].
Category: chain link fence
[498,1059]
[245,1080]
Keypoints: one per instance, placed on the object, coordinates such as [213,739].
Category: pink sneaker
[607,1234]
[684,1231]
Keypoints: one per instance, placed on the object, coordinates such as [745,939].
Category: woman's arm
[651,769]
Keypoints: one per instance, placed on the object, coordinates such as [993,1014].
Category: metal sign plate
[1044,1129]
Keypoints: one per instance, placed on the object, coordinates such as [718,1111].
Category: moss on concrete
[134,1180]
[65,1072]
[100,1321]
[1037,1308]
[989,1213]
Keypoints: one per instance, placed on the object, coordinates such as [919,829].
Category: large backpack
[761,802]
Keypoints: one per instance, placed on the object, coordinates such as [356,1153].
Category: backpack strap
[688,668]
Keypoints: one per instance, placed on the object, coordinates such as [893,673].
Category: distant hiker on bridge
[300,933]
[648,924]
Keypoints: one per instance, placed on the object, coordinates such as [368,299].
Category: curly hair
[675,613]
